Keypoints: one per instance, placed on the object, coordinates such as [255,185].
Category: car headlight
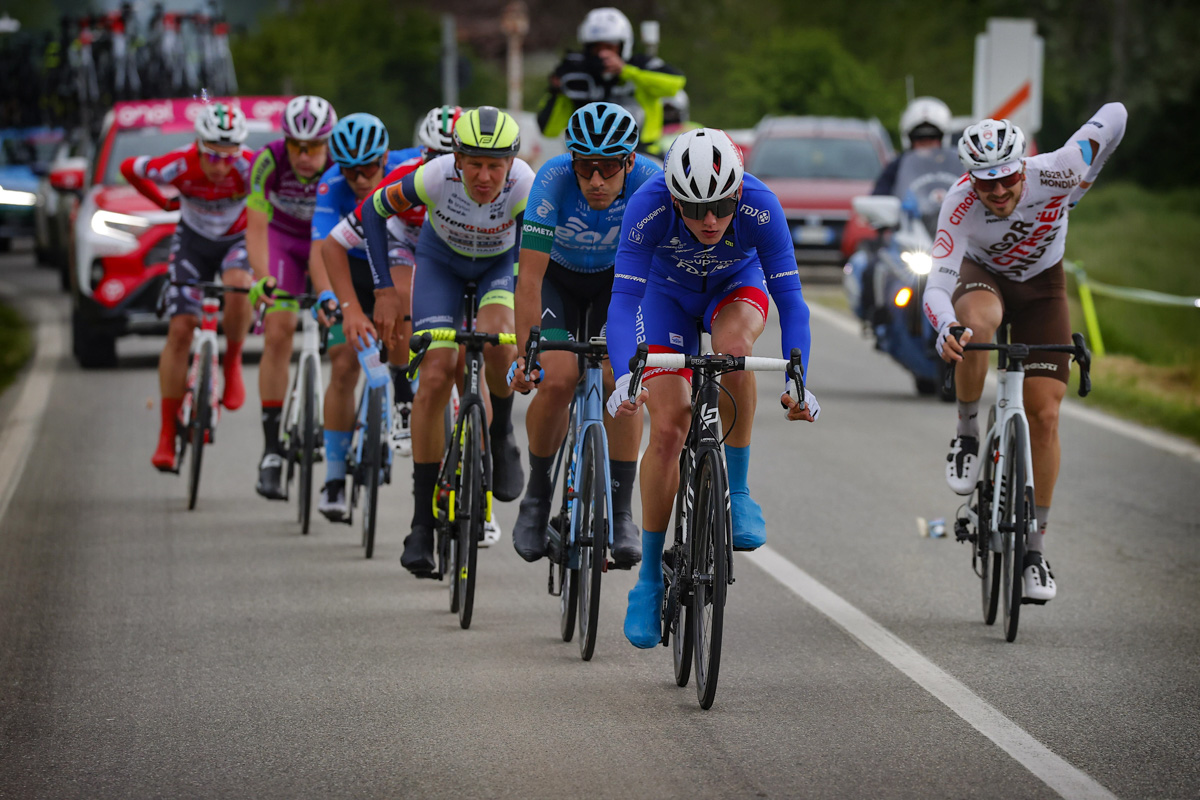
[124,227]
[11,197]
[919,263]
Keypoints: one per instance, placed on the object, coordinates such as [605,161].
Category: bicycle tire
[470,511]
[1014,518]
[710,571]
[568,577]
[199,423]
[372,466]
[308,442]
[677,621]
[593,538]
[989,560]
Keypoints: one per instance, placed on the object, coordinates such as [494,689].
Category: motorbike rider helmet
[308,118]
[607,25]
[221,123]
[487,131]
[703,165]
[602,130]
[436,133]
[991,148]
[358,139]
[925,116]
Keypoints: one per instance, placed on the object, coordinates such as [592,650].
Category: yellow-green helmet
[487,131]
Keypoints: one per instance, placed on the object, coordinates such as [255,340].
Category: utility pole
[515,24]
[449,61]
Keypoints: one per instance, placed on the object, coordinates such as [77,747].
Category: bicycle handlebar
[716,363]
[594,349]
[419,343]
[1018,352]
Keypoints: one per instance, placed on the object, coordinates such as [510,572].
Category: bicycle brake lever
[1083,357]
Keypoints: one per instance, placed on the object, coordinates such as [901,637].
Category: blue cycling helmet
[602,130]
[358,139]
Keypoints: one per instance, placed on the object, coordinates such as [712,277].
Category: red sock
[235,389]
[164,456]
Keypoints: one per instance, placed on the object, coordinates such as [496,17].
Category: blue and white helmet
[601,130]
[358,139]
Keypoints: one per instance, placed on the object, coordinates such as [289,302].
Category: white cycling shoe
[1039,579]
[962,464]
[333,503]
[491,533]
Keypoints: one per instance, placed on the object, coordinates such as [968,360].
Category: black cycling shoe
[270,473]
[508,476]
[627,541]
[418,552]
[529,532]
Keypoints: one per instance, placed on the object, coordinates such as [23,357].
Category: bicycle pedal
[961,532]
[1030,601]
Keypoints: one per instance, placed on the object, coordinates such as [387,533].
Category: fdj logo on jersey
[763,216]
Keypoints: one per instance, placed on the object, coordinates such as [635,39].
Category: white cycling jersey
[349,234]
[1033,237]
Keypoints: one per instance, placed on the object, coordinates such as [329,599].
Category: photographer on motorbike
[607,71]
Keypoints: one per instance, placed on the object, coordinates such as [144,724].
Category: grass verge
[16,344]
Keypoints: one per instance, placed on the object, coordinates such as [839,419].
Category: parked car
[24,156]
[121,240]
[58,194]
[816,165]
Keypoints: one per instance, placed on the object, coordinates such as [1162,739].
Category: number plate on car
[812,234]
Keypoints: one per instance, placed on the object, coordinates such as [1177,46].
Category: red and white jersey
[1033,237]
[214,210]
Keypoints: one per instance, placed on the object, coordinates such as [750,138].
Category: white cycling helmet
[991,148]
[221,123]
[924,111]
[607,25]
[436,133]
[703,165]
[308,118]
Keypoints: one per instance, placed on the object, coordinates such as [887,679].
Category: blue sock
[738,461]
[652,550]
[337,444]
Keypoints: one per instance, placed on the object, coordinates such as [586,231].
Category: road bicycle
[1000,513]
[581,533]
[370,457]
[698,567]
[200,409]
[463,492]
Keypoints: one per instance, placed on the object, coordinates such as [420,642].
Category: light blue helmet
[602,130]
[358,139]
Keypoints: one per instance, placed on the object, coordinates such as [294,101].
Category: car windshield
[153,142]
[788,157]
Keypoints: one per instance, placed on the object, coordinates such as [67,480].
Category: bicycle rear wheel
[1013,519]
[710,571]
[372,465]
[200,420]
[593,537]
[469,513]
[308,442]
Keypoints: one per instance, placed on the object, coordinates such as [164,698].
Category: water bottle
[377,371]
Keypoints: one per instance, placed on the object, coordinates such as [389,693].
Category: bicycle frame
[210,309]
[310,350]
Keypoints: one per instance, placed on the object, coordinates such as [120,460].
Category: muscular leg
[173,361]
[1043,396]
[508,476]
[278,329]
[982,312]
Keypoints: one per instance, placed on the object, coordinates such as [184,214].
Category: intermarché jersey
[657,249]
[213,210]
[1033,238]
[559,221]
[276,190]
[470,229]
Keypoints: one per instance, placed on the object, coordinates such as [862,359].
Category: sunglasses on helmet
[217,156]
[989,184]
[607,167]
[720,208]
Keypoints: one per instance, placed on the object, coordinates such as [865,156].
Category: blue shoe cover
[643,618]
[749,528]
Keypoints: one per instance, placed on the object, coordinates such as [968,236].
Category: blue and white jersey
[559,221]
[657,250]
[335,198]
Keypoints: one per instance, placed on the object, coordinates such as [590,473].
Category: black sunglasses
[720,208]
[607,167]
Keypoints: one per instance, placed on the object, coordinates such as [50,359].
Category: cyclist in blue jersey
[569,242]
[700,246]
[358,147]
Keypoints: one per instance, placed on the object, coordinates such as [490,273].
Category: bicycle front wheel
[676,614]
[710,571]
[308,441]
[988,560]
[593,537]
[372,465]
[470,510]
[200,420]
[1014,517]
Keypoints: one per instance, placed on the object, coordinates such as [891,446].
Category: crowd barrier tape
[1088,288]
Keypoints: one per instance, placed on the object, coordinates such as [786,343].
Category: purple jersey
[275,189]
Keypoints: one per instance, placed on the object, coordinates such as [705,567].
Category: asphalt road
[152,652]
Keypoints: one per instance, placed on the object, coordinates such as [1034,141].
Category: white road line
[1157,439]
[19,430]
[1051,769]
